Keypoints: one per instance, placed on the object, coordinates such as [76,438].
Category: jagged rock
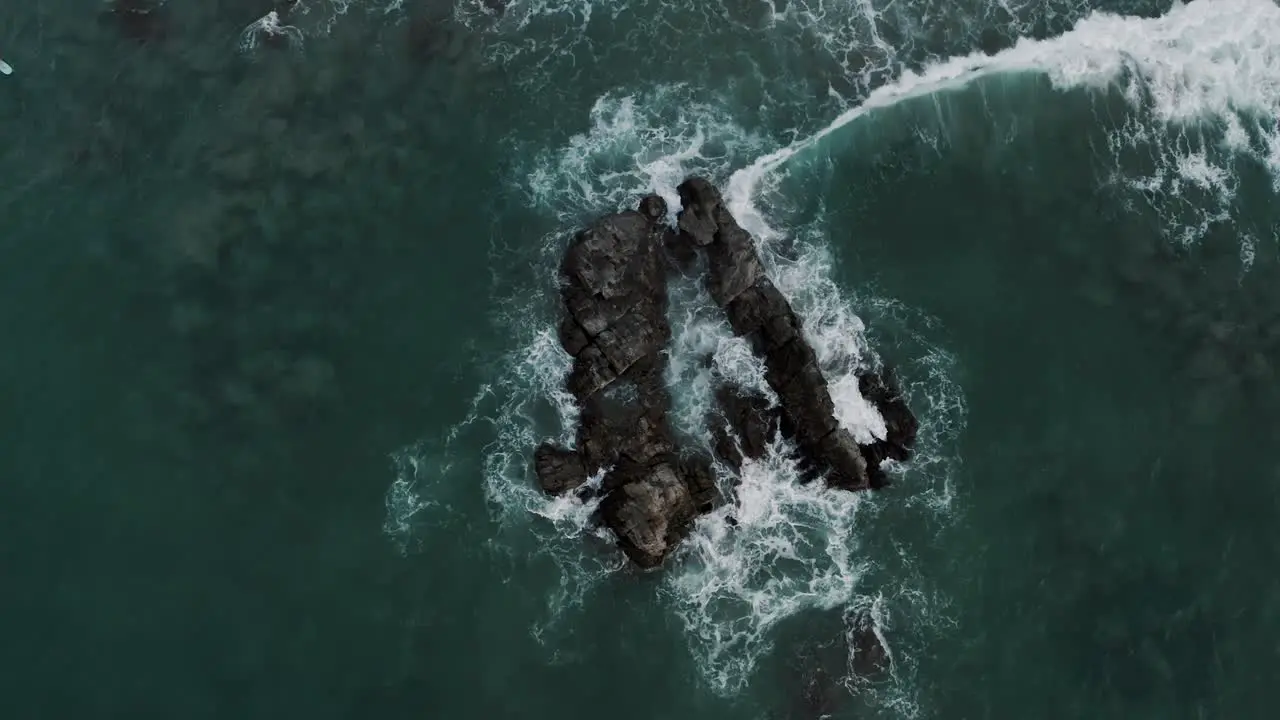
[701,481]
[591,372]
[697,219]
[870,658]
[614,260]
[841,460]
[654,208]
[762,315]
[901,425]
[613,287]
[572,337]
[636,335]
[734,264]
[628,420]
[681,253]
[649,514]
[753,421]
[559,470]
[758,311]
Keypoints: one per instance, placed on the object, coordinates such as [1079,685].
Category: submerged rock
[900,424]
[870,658]
[142,21]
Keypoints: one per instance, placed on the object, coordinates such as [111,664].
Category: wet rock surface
[613,286]
[751,417]
[758,311]
[614,290]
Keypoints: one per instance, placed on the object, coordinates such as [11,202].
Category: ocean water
[279,342]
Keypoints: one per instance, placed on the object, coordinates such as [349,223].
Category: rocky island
[613,285]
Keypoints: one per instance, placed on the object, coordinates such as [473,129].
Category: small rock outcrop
[871,660]
[613,285]
[901,425]
[753,420]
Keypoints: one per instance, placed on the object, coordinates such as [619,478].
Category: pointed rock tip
[653,207]
[697,190]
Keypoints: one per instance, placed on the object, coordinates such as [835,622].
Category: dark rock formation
[697,474]
[901,425]
[829,665]
[613,287]
[819,696]
[753,420]
[758,311]
[649,511]
[558,470]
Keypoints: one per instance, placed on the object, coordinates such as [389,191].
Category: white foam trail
[407,497]
[1210,60]
[786,548]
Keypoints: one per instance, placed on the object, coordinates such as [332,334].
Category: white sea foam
[637,143]
[1214,61]
[266,27]
[782,548]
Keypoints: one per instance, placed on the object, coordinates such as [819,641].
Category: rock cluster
[614,290]
[757,311]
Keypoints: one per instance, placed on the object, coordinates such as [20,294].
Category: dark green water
[247,292]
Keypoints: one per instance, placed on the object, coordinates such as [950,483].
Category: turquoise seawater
[279,342]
